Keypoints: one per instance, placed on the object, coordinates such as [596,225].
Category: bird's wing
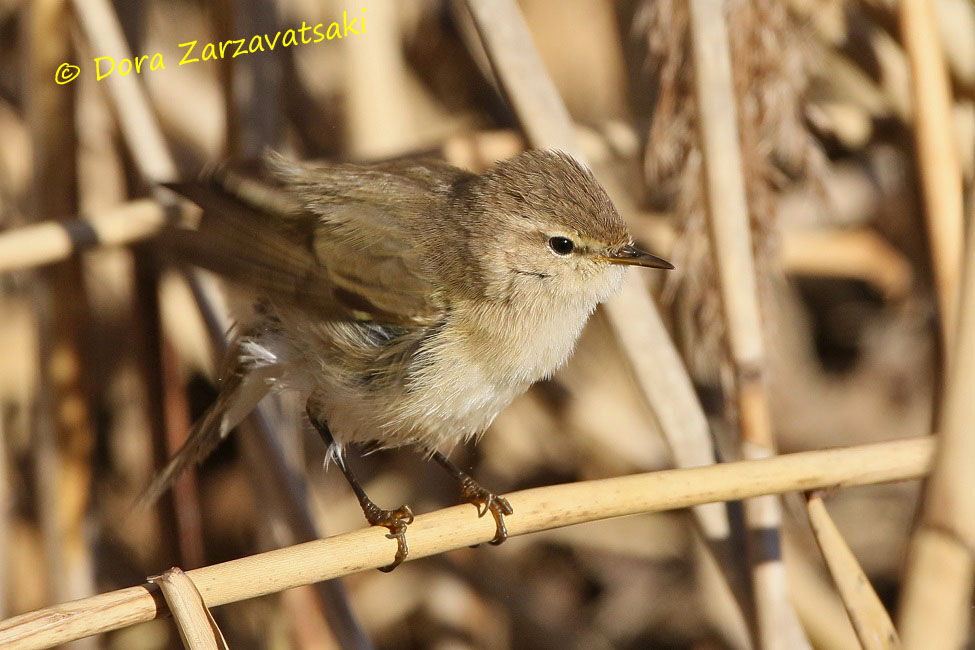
[239,242]
[330,239]
[375,264]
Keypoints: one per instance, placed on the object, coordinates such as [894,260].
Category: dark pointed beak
[632,256]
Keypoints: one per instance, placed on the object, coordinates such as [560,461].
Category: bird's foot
[485,501]
[396,521]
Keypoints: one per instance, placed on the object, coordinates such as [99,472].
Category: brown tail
[241,392]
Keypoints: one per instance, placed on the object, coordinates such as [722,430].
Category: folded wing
[329,239]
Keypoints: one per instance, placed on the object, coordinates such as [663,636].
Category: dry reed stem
[937,157]
[936,601]
[819,607]
[777,625]
[63,439]
[53,241]
[43,438]
[522,75]
[659,374]
[100,26]
[196,626]
[854,253]
[719,603]
[155,163]
[868,615]
[654,359]
[457,527]
[661,377]
[309,630]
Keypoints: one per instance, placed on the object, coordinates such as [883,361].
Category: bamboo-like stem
[935,607]
[937,157]
[634,318]
[662,378]
[938,586]
[852,253]
[457,527]
[868,615]
[777,625]
[196,626]
[522,75]
[53,241]
[100,26]
[64,438]
[819,607]
[155,163]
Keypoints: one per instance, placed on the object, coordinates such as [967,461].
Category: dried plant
[770,72]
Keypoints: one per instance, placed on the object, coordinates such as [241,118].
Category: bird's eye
[561,245]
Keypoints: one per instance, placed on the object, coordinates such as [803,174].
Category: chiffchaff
[410,300]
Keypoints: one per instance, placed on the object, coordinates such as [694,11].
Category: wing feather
[333,240]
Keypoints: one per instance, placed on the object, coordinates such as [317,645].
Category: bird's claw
[485,501]
[396,522]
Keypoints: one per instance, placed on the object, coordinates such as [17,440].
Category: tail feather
[239,396]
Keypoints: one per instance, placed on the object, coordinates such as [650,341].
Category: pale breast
[478,364]
[454,383]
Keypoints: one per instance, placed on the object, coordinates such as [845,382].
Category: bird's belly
[466,383]
[430,412]
[455,401]
[454,388]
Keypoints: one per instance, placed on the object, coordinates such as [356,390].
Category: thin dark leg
[395,520]
[482,499]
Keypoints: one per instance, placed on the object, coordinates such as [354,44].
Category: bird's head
[544,229]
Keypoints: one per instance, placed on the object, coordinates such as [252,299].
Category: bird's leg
[482,499]
[395,520]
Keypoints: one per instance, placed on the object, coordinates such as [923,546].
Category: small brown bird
[411,301]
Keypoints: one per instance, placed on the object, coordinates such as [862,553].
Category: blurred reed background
[105,358]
